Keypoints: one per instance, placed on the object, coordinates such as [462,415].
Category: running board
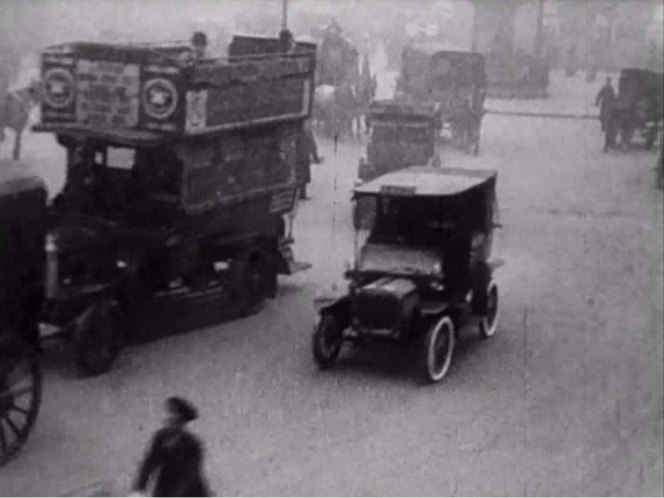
[288,265]
[297,266]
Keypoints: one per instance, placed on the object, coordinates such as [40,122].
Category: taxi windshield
[412,221]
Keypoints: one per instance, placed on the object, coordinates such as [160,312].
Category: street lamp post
[284,15]
[539,34]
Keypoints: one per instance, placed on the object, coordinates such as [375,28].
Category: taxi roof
[427,181]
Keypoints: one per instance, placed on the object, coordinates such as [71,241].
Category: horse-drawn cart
[344,86]
[454,80]
[640,93]
[22,228]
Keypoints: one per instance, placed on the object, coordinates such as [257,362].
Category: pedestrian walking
[174,459]
[606,100]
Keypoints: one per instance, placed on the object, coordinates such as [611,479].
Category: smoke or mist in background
[26,26]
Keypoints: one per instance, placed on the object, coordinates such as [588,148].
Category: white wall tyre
[327,340]
[489,322]
[439,345]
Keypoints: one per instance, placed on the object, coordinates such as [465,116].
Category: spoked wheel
[251,285]
[489,322]
[327,340]
[439,345]
[20,396]
[101,339]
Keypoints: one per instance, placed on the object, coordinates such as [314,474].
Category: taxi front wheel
[438,349]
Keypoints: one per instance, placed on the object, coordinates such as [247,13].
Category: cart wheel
[327,340]
[100,341]
[489,322]
[20,395]
[439,344]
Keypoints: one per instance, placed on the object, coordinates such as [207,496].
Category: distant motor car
[455,80]
[401,135]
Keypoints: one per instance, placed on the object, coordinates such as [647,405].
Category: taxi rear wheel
[327,340]
[489,322]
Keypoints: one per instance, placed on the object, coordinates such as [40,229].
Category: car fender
[329,297]
[434,307]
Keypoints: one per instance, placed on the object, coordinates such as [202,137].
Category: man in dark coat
[175,456]
[606,100]
[199,44]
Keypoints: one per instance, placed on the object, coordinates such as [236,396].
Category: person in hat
[606,101]
[199,43]
[174,458]
[286,41]
[334,28]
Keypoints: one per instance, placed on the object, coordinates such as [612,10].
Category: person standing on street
[199,45]
[606,100]
[174,458]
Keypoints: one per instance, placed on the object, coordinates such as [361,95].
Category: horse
[334,108]
[365,94]
[15,108]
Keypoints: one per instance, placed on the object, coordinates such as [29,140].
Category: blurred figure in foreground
[174,459]
[606,100]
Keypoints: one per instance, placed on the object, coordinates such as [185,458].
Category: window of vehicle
[120,157]
[391,133]
[159,171]
[416,221]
